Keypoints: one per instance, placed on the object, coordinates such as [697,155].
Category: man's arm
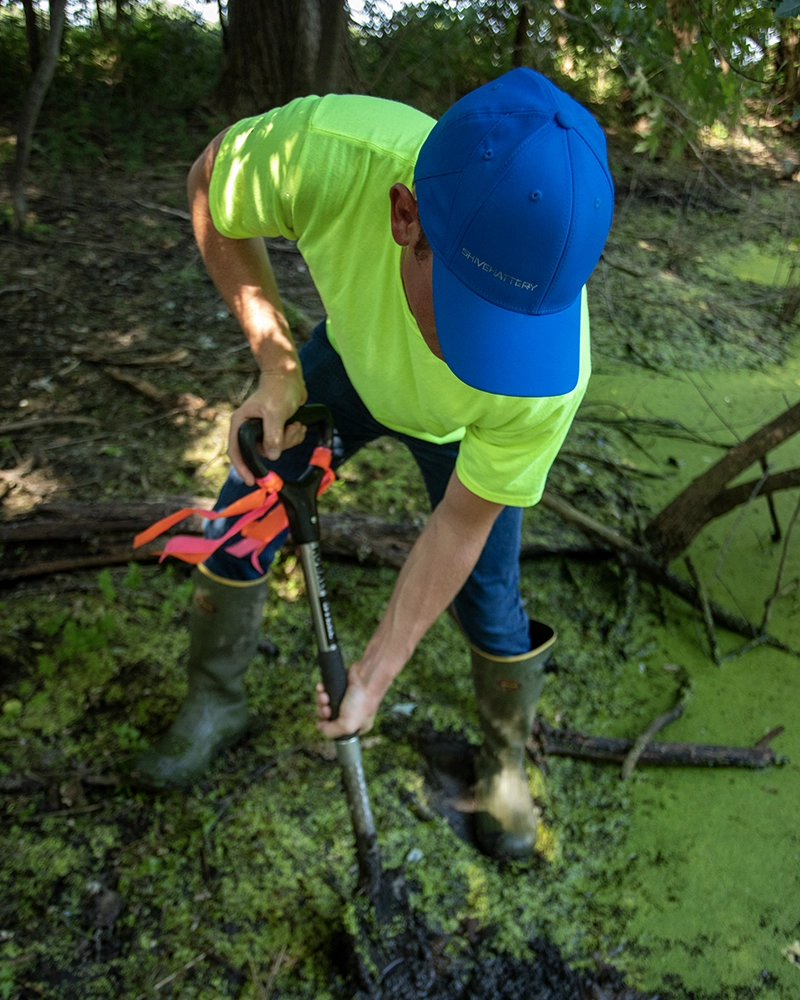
[242,273]
[436,569]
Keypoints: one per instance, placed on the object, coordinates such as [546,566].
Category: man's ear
[405,215]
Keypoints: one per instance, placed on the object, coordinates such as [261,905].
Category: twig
[186,400]
[80,562]
[38,288]
[622,467]
[776,527]
[265,992]
[168,359]
[745,648]
[756,490]
[276,965]
[781,569]
[641,741]
[75,811]
[171,978]
[25,425]
[708,618]
[177,212]
[710,404]
[139,384]
[621,267]
[115,433]
[765,741]
[654,425]
[724,53]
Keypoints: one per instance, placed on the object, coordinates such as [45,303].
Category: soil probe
[300,500]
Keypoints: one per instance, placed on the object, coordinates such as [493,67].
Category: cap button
[564,119]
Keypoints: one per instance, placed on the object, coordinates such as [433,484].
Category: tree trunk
[788,60]
[101,21]
[520,48]
[32,35]
[277,50]
[30,112]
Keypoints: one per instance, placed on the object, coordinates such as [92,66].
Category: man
[451,259]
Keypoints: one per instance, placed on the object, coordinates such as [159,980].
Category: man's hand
[437,567]
[278,396]
[356,712]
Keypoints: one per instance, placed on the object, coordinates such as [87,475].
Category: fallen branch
[32,425]
[642,560]
[671,531]
[185,400]
[778,588]
[179,213]
[708,618]
[552,742]
[737,495]
[173,976]
[169,359]
[46,568]
[73,521]
[111,526]
[29,781]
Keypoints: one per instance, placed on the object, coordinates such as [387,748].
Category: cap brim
[504,352]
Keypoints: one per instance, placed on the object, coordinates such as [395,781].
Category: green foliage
[431,55]
[76,653]
[122,92]
[671,69]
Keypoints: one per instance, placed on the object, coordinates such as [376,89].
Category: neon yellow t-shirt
[319,170]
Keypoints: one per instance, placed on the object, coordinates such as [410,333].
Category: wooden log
[548,741]
[61,522]
[671,530]
[107,527]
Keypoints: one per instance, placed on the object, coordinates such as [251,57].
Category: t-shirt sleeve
[509,464]
[256,175]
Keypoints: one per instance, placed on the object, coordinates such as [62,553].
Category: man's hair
[422,249]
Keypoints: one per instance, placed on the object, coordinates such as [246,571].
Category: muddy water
[712,893]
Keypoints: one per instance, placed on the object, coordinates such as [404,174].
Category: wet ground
[122,367]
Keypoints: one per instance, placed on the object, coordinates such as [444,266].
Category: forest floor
[122,368]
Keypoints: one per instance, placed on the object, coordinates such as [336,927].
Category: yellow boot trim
[520,656]
[230,583]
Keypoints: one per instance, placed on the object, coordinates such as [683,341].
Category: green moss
[686,878]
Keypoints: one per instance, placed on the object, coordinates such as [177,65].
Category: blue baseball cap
[516,200]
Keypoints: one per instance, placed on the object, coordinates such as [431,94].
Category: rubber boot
[224,630]
[507,689]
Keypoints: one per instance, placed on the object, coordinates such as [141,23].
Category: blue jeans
[489,607]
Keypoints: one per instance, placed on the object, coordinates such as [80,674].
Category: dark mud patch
[424,964]
[387,963]
[449,780]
